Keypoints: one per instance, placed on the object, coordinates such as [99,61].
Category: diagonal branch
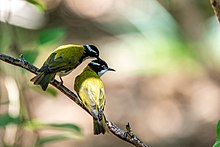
[127,136]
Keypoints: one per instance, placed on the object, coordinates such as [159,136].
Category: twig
[127,136]
[216,7]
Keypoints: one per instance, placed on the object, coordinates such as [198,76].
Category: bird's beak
[110,69]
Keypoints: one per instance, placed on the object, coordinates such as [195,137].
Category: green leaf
[69,131]
[30,55]
[51,35]
[50,139]
[6,119]
[33,125]
[38,4]
[218,131]
[52,91]
[68,126]
[217,144]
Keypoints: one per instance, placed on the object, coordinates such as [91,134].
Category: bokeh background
[166,85]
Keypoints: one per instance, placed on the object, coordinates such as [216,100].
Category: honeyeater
[62,61]
[90,89]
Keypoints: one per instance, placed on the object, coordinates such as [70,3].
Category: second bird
[90,90]
[62,61]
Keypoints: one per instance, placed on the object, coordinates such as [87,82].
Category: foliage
[68,131]
[217,143]
[43,39]
[38,4]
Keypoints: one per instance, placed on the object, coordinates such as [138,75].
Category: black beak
[110,69]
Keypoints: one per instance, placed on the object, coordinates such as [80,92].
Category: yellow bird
[90,90]
[62,61]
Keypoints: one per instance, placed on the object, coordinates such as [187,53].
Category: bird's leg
[61,81]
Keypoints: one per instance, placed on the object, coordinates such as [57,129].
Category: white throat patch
[102,72]
[94,63]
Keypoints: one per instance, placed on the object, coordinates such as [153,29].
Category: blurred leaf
[218,131]
[4,103]
[30,55]
[217,143]
[5,38]
[50,139]
[148,38]
[119,27]
[69,131]
[212,36]
[68,126]
[52,91]
[38,4]
[30,17]
[51,35]
[6,119]
[33,125]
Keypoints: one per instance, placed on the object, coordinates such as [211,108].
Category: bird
[62,61]
[90,90]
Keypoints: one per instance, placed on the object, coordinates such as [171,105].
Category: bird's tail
[43,79]
[100,126]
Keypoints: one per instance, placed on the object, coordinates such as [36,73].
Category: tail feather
[100,126]
[43,79]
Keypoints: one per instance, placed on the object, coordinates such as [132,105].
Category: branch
[127,136]
[216,7]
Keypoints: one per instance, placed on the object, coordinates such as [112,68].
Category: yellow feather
[90,89]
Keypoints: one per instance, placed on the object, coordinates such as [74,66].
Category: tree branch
[216,7]
[127,136]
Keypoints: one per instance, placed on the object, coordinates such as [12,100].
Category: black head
[100,66]
[92,51]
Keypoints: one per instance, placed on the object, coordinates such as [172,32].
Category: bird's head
[99,66]
[91,51]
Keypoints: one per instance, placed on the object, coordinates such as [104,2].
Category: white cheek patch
[94,63]
[102,72]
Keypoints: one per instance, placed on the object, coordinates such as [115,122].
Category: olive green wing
[64,59]
[63,62]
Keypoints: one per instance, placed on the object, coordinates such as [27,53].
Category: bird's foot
[61,81]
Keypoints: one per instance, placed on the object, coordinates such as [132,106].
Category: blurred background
[167,81]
